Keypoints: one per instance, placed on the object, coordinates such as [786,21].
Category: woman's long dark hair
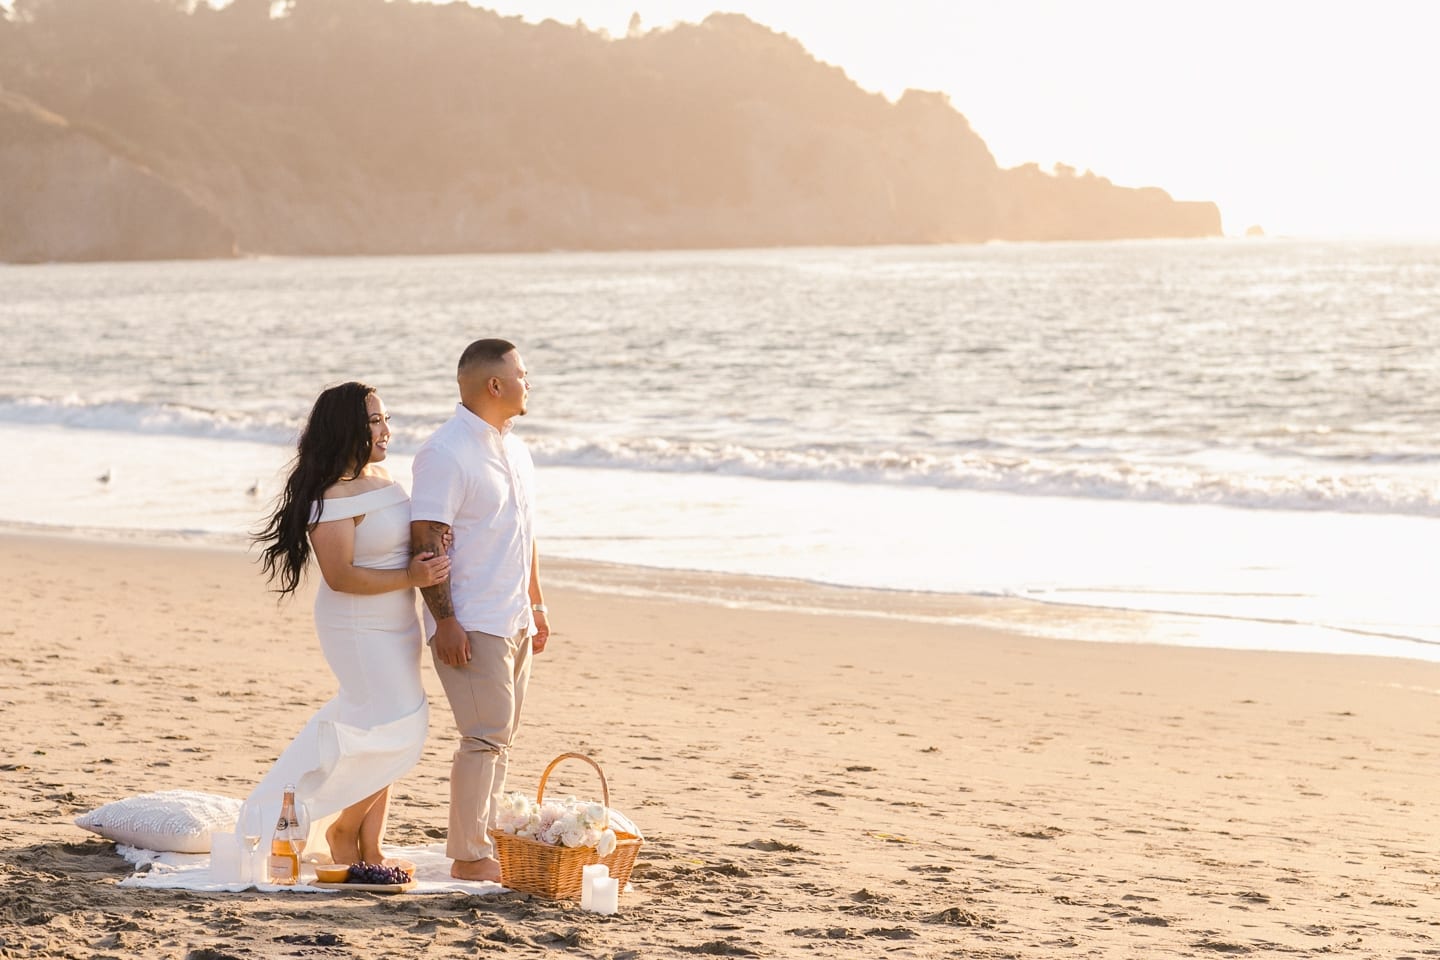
[335,444]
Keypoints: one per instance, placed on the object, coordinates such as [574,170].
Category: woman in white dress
[341,505]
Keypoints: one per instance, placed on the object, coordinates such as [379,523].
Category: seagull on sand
[254,489]
[107,476]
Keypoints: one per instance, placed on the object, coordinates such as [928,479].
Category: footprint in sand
[957,916]
[831,933]
[722,948]
[727,869]
[772,846]
[892,933]
[1221,946]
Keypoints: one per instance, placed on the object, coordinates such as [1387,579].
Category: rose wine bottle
[285,843]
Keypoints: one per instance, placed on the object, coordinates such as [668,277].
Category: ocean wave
[1238,478]
[171,419]
[1283,487]
[131,416]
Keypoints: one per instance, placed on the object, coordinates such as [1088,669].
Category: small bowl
[332,872]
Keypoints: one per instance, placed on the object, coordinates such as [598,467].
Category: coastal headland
[418,128]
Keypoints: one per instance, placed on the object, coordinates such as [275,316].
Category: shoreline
[1031,618]
[738,591]
[1035,617]
[250,256]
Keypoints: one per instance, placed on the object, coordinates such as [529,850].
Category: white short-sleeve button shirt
[481,481]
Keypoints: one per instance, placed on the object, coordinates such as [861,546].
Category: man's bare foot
[487,869]
[343,848]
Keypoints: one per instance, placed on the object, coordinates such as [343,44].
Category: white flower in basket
[559,822]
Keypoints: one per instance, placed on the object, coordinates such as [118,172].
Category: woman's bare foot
[344,847]
[487,869]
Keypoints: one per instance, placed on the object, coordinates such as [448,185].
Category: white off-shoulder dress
[373,731]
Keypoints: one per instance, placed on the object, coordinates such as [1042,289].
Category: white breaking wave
[996,471]
[174,420]
[127,416]
[1258,480]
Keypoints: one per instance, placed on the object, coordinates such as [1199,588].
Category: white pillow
[179,821]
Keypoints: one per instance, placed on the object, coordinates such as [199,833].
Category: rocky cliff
[361,126]
[64,195]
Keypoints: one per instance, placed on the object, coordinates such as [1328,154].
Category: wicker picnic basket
[551,871]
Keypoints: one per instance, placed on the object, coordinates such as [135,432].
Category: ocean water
[1240,436]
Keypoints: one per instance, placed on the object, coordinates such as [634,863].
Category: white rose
[606,844]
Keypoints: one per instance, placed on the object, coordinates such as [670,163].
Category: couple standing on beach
[465,538]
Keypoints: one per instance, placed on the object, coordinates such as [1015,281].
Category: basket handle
[604,787]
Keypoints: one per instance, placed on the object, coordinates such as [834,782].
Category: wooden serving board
[367,887]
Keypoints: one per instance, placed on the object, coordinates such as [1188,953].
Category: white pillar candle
[605,895]
[587,881]
[228,859]
[260,864]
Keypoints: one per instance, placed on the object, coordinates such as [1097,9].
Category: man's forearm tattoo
[437,596]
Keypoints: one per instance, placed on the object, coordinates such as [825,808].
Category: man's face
[513,384]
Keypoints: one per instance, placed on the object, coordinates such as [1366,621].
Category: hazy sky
[1308,117]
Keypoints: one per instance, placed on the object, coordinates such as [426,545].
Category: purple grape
[377,873]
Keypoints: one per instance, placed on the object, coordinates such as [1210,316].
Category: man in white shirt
[474,481]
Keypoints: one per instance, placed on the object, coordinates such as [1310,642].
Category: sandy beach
[816,777]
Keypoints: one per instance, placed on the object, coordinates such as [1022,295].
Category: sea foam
[1397,485]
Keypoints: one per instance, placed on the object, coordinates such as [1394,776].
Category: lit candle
[587,881]
[605,895]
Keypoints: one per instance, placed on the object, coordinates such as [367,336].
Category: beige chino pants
[485,696]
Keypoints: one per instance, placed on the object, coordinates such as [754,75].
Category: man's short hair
[487,352]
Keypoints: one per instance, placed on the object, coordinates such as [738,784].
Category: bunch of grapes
[377,873]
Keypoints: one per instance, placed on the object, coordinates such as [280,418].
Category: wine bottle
[284,843]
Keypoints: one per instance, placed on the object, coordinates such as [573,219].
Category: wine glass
[251,827]
[302,826]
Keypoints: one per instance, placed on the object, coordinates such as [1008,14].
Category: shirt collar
[480,426]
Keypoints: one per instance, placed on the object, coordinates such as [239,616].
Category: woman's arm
[334,544]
